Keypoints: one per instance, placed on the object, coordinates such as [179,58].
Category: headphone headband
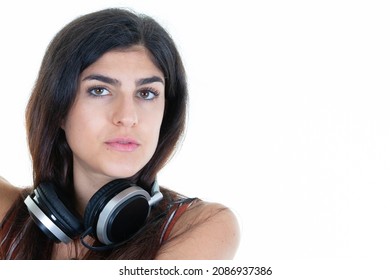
[157,196]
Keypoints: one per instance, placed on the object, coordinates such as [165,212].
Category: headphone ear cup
[55,209]
[116,211]
[97,201]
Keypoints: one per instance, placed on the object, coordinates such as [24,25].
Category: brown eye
[98,91]
[147,94]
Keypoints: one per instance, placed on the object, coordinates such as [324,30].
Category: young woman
[105,115]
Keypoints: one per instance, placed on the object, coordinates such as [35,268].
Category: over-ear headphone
[113,214]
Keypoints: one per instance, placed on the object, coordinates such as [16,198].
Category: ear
[62,124]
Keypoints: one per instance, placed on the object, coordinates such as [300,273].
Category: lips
[122,144]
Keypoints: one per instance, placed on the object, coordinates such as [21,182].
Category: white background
[289,114]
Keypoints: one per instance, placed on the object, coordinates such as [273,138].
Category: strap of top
[174,215]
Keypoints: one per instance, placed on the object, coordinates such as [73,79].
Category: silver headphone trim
[111,206]
[41,216]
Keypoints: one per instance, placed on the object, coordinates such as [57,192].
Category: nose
[124,112]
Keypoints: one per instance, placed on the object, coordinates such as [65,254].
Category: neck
[85,186]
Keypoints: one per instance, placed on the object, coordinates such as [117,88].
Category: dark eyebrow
[116,82]
[149,80]
[103,79]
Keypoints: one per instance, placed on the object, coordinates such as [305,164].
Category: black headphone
[113,214]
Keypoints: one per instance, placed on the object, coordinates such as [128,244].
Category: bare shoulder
[8,195]
[205,231]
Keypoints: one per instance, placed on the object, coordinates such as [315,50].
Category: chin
[120,172]
[120,168]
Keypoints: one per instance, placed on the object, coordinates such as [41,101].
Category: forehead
[135,59]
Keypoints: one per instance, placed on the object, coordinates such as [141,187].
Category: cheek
[154,125]
[158,122]
[78,127]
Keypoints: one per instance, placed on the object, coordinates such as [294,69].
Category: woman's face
[114,124]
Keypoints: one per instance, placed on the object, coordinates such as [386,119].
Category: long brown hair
[74,48]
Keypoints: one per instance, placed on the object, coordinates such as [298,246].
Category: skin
[115,100]
[121,96]
[8,194]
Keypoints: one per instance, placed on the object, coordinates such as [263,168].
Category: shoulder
[8,195]
[204,231]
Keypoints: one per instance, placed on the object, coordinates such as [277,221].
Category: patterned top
[174,214]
